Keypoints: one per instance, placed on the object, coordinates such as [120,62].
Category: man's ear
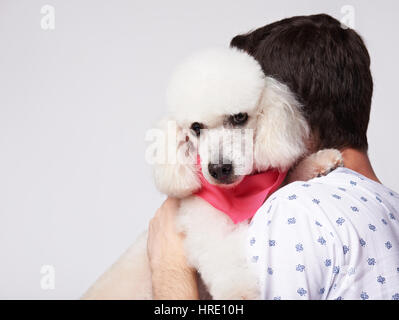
[281,131]
[175,171]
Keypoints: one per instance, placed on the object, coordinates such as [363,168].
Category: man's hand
[172,277]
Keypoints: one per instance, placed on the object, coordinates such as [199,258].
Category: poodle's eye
[196,127]
[239,118]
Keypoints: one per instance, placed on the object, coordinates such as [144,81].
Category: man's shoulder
[335,196]
[300,211]
[299,196]
[339,181]
[310,197]
[300,191]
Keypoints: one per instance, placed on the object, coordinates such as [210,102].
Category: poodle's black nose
[220,172]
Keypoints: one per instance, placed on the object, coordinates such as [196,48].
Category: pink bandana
[242,201]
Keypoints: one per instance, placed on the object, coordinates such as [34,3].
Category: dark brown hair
[328,69]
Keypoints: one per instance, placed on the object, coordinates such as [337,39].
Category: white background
[75,103]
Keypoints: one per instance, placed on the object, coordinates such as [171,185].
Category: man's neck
[359,161]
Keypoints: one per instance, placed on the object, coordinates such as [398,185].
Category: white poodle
[217,96]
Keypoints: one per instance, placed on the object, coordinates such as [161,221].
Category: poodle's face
[225,145]
[238,120]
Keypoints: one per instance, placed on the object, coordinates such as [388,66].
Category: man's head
[328,69]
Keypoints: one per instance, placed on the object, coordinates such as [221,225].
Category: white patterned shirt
[333,237]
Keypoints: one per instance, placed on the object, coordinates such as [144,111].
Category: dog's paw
[315,165]
[326,160]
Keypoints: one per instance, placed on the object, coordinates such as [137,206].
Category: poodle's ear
[175,170]
[282,131]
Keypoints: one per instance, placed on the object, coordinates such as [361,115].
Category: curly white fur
[208,88]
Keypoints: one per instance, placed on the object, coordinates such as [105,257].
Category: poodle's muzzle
[226,155]
[221,172]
